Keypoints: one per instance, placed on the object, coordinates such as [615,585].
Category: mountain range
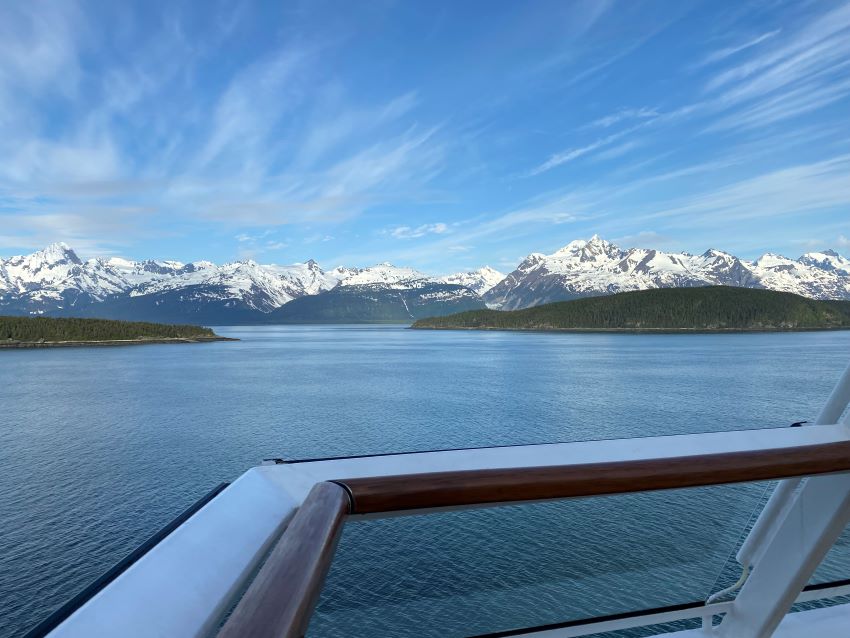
[56,282]
[597,267]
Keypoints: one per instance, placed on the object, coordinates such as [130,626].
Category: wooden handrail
[280,600]
[382,494]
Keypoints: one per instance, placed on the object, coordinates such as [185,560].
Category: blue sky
[443,135]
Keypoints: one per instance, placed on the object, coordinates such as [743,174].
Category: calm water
[101,447]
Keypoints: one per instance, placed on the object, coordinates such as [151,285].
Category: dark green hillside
[376,304]
[36,329]
[664,309]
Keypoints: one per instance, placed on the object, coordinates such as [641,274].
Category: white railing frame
[799,524]
[779,502]
[706,613]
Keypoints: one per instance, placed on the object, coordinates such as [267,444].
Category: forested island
[35,332]
[708,309]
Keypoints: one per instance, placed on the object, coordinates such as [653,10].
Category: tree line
[34,329]
[708,308]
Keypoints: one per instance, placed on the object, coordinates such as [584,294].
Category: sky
[440,135]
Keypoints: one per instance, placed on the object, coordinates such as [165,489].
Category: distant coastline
[713,309]
[668,331]
[110,342]
[45,332]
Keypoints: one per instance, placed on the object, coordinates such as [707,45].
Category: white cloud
[797,190]
[569,155]
[312,239]
[722,54]
[625,114]
[339,125]
[38,46]
[804,72]
[617,151]
[407,232]
[253,103]
[784,105]
[572,154]
[824,28]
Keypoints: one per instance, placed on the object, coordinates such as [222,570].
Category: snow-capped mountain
[478,281]
[56,277]
[384,274]
[597,267]
[382,292]
[827,260]
[56,281]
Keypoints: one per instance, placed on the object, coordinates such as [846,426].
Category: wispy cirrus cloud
[218,122]
[625,114]
[722,54]
[231,152]
[408,232]
[802,73]
[822,28]
[570,154]
[799,189]
[599,145]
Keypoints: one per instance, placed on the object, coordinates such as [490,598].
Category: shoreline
[112,342]
[633,330]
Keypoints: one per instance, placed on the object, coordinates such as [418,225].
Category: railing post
[837,402]
[280,600]
[811,526]
[780,500]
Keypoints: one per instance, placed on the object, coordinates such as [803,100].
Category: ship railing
[281,598]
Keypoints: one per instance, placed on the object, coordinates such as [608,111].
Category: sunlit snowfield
[101,447]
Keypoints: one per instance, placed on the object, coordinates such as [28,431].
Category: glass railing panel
[473,572]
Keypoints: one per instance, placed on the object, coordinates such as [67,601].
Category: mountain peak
[769,260]
[58,252]
[479,281]
[595,245]
[828,260]
[573,247]
[714,252]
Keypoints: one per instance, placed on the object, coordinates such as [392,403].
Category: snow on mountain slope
[244,281]
[46,274]
[479,281]
[384,274]
[597,267]
[56,280]
[827,260]
[307,278]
